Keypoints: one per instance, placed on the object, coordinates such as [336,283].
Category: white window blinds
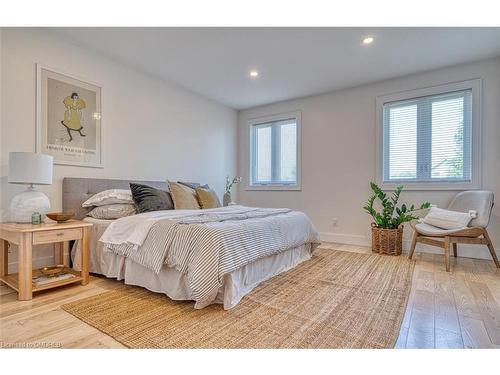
[428,139]
[274,156]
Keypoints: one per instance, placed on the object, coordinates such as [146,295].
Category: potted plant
[229,185]
[387,228]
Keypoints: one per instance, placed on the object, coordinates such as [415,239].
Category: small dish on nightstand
[60,217]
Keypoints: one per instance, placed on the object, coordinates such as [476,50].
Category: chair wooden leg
[454,249]
[413,244]
[447,253]
[491,248]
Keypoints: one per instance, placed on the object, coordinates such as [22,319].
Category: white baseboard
[348,239]
[466,251]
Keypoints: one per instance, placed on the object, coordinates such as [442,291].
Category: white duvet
[134,229]
[208,244]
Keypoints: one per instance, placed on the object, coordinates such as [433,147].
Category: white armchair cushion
[432,231]
[446,219]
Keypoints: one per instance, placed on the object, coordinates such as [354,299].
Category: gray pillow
[193,185]
[112,211]
[110,196]
[147,198]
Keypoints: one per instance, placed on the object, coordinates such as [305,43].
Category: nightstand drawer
[61,235]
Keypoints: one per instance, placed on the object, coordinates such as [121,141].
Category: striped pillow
[112,211]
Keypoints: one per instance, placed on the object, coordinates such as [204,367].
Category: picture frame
[68,118]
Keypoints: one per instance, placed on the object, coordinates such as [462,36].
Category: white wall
[338,152]
[151,129]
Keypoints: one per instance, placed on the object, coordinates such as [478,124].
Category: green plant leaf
[386,218]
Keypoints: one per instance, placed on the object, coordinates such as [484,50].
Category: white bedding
[174,284]
[134,229]
[206,245]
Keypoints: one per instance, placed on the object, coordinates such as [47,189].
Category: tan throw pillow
[207,198]
[184,197]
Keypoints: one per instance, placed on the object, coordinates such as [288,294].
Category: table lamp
[29,168]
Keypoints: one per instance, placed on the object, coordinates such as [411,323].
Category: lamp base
[23,205]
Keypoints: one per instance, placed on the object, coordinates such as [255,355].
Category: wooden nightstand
[27,235]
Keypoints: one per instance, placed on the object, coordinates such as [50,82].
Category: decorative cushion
[207,198]
[111,196]
[183,196]
[446,219]
[432,231]
[112,211]
[193,185]
[147,198]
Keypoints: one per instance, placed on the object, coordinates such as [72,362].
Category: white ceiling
[292,62]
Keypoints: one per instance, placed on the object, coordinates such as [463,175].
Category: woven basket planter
[387,241]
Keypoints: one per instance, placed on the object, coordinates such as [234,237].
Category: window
[430,137]
[275,152]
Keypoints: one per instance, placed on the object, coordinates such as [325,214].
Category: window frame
[255,122]
[476,168]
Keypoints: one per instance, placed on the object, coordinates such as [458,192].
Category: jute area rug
[335,300]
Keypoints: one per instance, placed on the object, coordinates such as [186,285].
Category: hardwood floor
[42,323]
[460,309]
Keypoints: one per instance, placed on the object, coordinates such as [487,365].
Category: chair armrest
[468,232]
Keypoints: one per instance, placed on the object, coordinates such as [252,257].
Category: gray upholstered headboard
[77,190]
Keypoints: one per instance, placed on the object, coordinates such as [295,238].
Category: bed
[170,280]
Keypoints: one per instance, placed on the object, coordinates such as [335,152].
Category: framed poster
[68,118]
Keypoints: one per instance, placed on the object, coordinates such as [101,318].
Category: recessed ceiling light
[368,40]
[254,73]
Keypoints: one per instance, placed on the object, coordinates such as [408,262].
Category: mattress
[174,284]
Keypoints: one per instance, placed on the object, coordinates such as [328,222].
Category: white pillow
[112,211]
[111,196]
[446,219]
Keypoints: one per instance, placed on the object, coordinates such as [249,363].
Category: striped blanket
[207,246]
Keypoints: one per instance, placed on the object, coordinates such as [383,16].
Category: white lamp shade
[30,168]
